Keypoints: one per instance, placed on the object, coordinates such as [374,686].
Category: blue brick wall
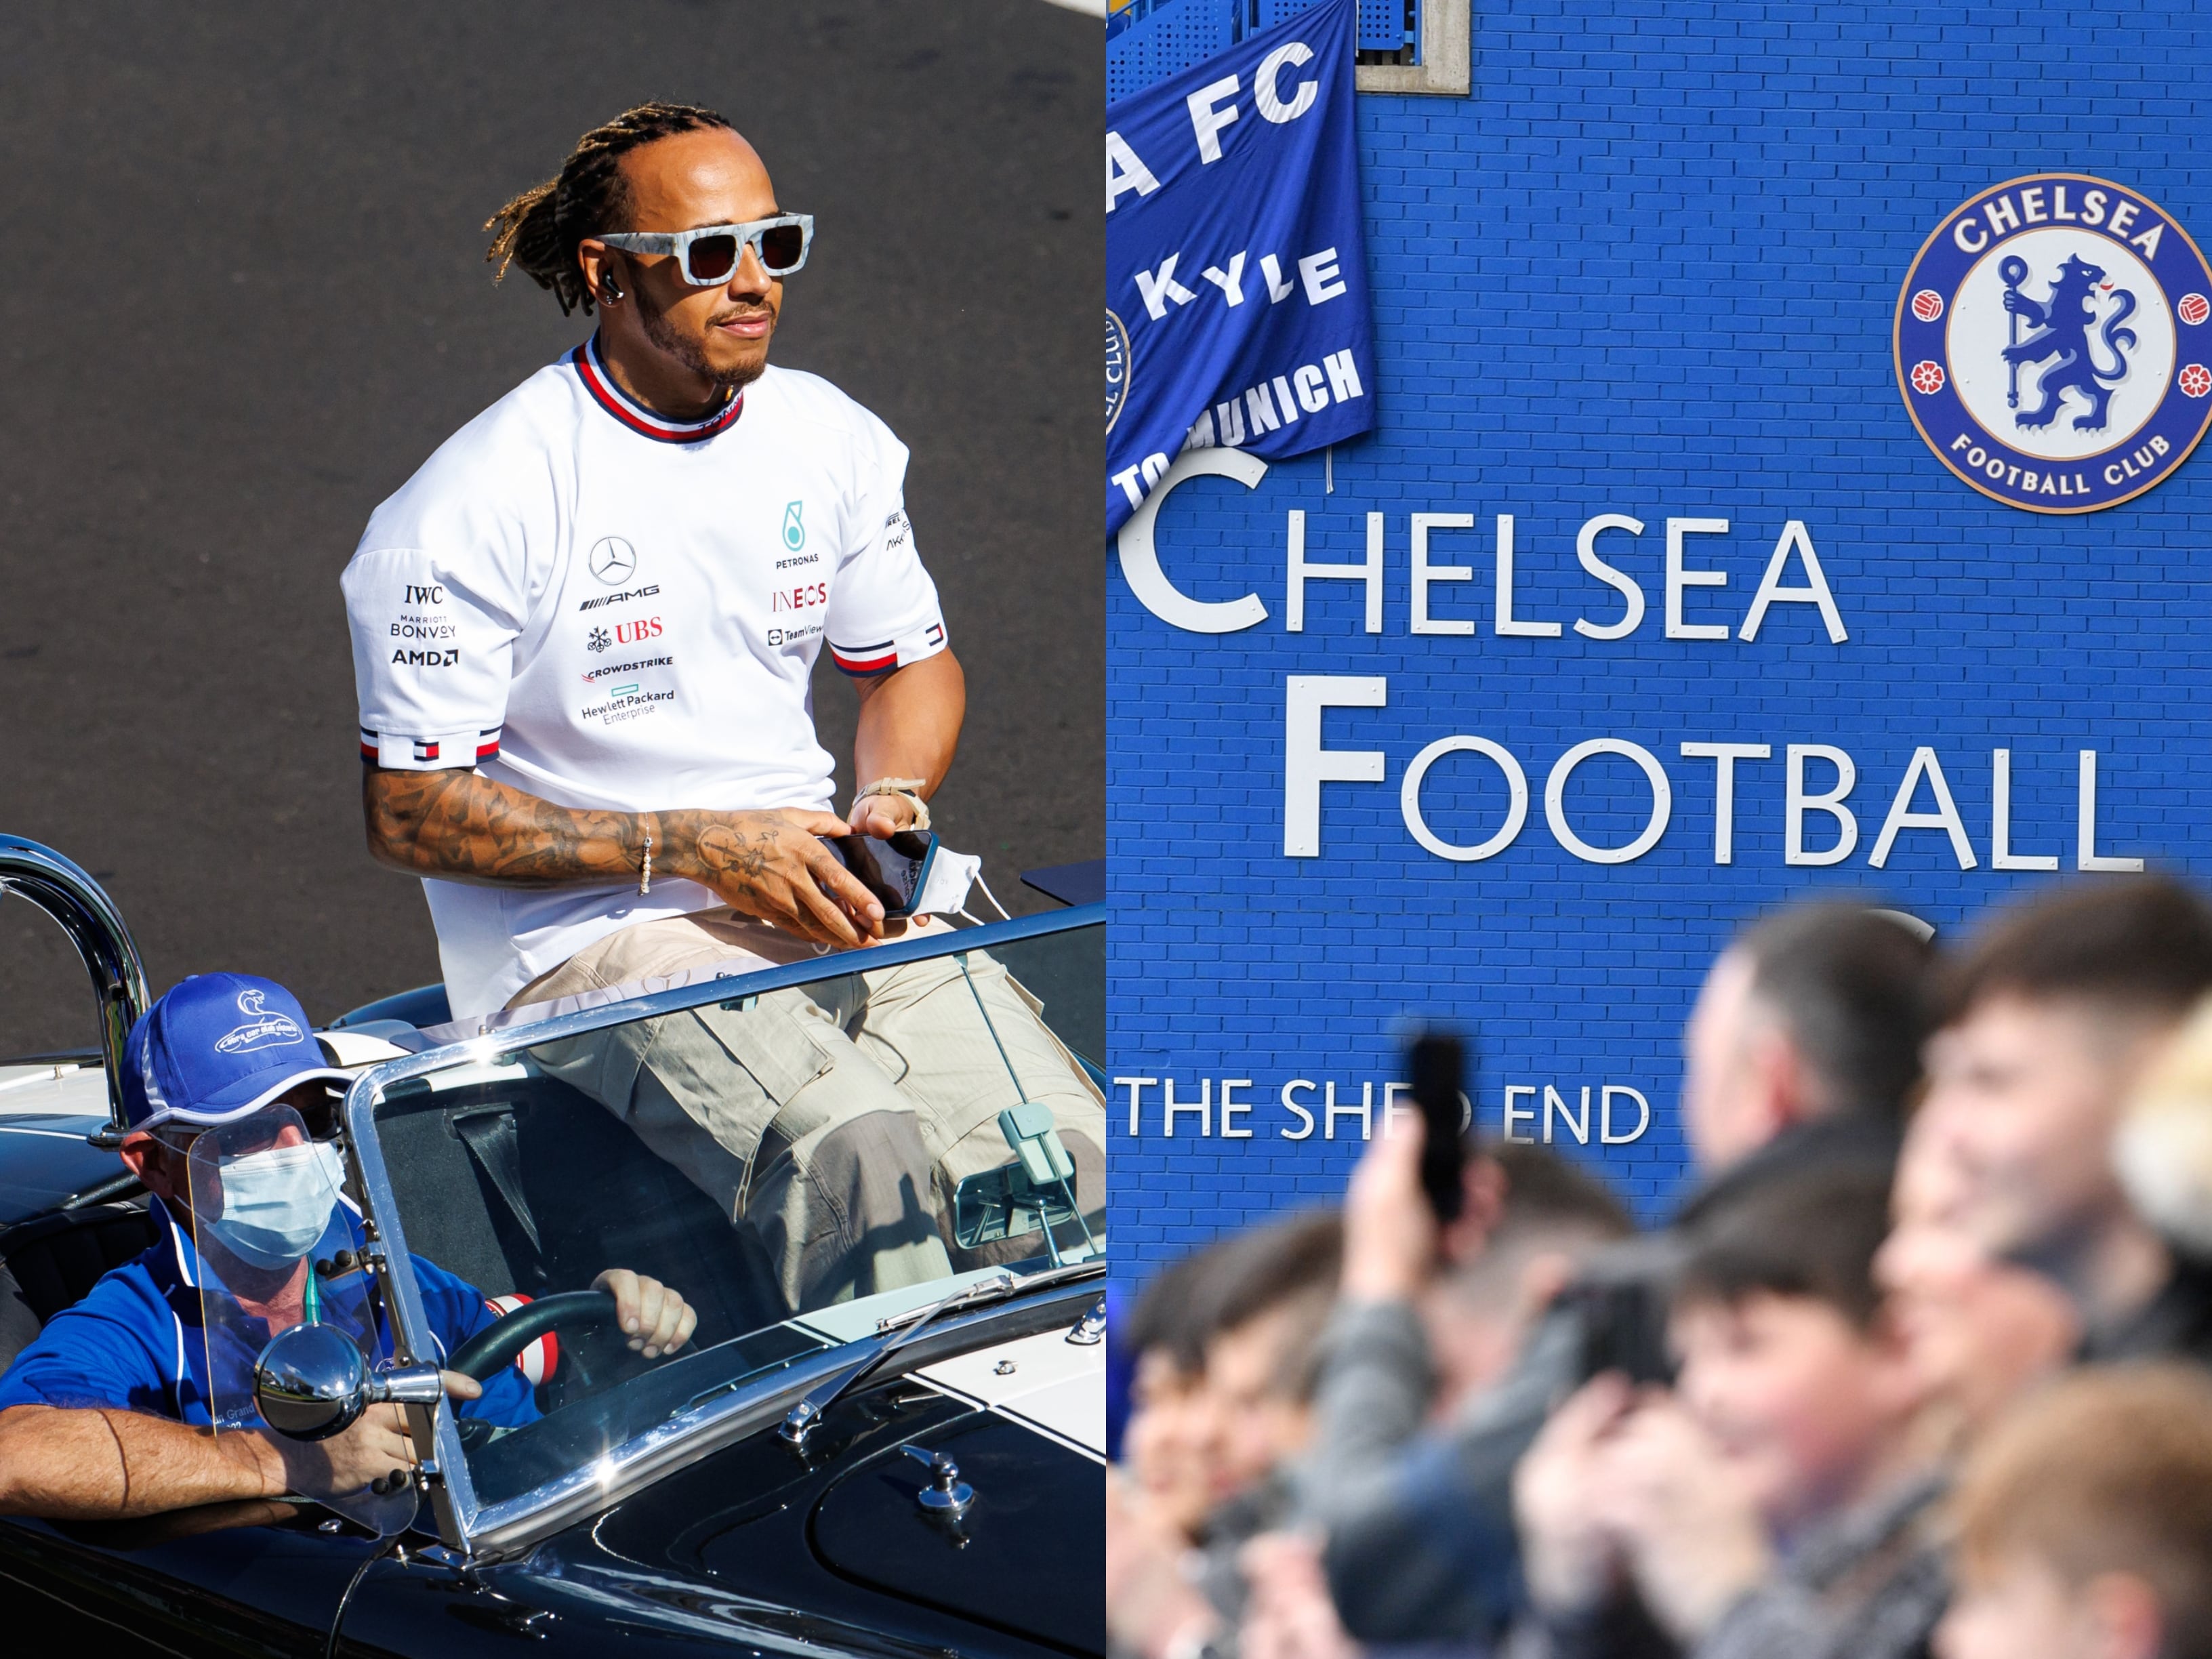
[1649,267]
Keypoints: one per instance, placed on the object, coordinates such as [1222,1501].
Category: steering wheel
[493,1348]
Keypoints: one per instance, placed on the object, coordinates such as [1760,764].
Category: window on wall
[1404,46]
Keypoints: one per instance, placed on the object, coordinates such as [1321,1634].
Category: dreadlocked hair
[540,229]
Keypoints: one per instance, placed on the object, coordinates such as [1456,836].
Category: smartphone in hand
[1439,1072]
[894,871]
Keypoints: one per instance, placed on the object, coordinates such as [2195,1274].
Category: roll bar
[96,926]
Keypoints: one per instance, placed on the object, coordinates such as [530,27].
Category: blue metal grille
[1385,25]
[1170,38]
[1148,40]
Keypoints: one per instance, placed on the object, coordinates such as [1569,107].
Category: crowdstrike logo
[614,668]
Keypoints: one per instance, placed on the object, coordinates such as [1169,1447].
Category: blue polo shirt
[140,1340]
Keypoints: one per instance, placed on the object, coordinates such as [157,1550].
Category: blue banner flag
[1236,307]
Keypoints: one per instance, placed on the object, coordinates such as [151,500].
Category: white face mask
[945,890]
[276,1204]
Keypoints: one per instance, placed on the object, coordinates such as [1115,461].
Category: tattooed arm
[459,826]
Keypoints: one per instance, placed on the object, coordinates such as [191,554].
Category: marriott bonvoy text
[1820,823]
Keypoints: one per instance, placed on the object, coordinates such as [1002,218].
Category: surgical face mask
[945,890]
[275,1204]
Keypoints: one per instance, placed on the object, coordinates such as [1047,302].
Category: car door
[159,1587]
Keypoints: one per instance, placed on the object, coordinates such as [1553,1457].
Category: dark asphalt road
[248,298]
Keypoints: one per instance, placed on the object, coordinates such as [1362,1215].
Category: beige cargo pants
[836,1118]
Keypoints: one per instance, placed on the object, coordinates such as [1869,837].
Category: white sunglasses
[707,255]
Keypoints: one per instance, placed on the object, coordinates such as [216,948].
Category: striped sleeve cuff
[400,751]
[863,661]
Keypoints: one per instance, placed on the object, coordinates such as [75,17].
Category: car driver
[106,1414]
[583,634]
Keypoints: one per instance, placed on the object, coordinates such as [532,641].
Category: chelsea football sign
[2050,345]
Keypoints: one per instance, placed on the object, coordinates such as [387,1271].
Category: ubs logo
[635,632]
[2047,344]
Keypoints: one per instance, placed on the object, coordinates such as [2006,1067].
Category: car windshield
[800,1163]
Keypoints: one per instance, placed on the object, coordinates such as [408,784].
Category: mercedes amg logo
[612,560]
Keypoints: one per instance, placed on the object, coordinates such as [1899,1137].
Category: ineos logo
[612,560]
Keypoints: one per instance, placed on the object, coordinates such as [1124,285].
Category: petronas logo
[794,531]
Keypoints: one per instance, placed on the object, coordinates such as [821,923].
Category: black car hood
[1037,1509]
[756,1547]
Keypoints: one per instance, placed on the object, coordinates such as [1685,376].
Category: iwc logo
[1117,367]
[2051,344]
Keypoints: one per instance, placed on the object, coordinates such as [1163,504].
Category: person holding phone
[583,634]
[1801,1053]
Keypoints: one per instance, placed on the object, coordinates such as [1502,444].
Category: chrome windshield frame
[464,1522]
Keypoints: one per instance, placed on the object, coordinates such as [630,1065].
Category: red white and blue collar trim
[592,369]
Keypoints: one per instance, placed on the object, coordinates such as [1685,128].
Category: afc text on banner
[1237,307]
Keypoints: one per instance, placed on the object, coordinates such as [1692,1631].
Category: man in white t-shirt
[583,634]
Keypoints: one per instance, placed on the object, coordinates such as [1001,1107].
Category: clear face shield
[291,1318]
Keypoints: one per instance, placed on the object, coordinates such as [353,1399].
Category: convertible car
[913,1474]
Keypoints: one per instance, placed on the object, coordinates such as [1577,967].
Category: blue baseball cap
[215,1048]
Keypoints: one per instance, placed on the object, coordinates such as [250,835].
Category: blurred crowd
[1920,1366]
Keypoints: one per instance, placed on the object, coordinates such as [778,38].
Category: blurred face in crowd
[1740,1067]
[1166,1442]
[1478,1316]
[1251,1423]
[1976,1331]
[2027,1093]
[2019,1609]
[1475,1325]
[1804,1405]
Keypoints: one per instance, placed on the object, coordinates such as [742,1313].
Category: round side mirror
[311,1383]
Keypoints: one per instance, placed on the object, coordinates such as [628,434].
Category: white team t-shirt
[610,610]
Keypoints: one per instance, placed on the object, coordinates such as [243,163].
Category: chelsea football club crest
[1117,367]
[2051,342]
